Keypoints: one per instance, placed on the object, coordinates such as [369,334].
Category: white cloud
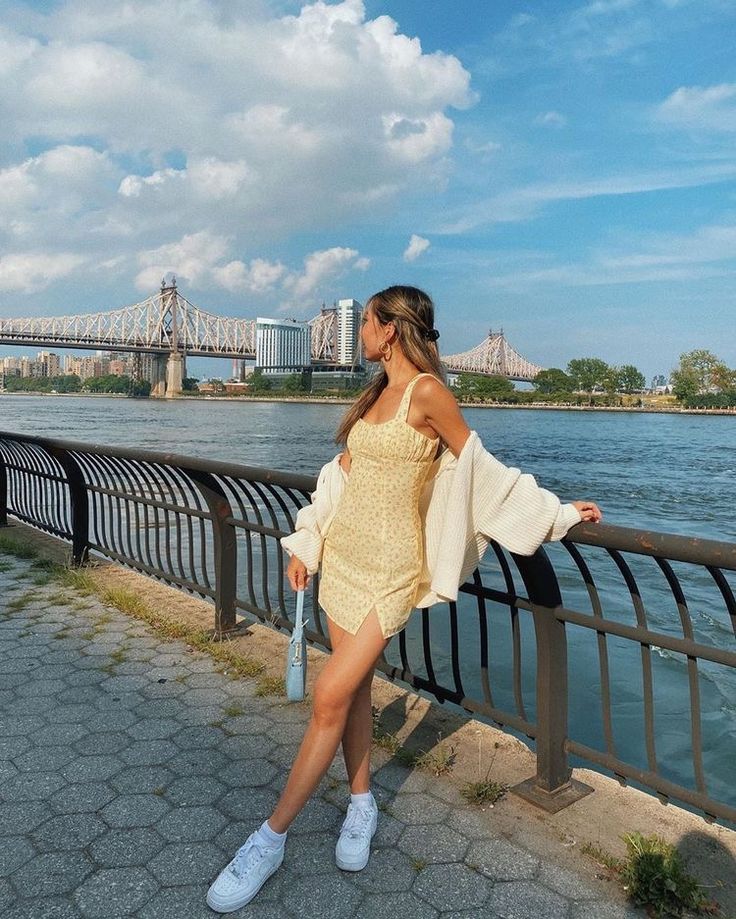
[27,272]
[710,108]
[551,119]
[192,258]
[323,266]
[417,245]
[258,277]
[249,123]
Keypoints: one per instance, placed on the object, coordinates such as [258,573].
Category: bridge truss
[165,322]
[494,356]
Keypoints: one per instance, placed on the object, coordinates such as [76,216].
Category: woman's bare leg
[334,692]
[357,738]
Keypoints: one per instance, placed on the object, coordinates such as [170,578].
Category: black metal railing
[595,638]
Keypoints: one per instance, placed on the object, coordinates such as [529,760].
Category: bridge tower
[171,367]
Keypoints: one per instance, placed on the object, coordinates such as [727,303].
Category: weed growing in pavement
[21,602]
[484,790]
[17,547]
[438,761]
[271,686]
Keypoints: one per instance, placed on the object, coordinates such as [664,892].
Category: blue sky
[564,170]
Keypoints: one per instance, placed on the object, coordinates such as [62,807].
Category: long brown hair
[412,313]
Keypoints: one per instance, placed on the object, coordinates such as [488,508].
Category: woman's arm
[441,413]
[345,460]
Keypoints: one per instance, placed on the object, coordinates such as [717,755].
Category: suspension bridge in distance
[170,328]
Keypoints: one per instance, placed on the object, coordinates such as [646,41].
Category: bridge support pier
[158,381]
[174,375]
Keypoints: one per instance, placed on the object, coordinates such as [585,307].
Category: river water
[674,473]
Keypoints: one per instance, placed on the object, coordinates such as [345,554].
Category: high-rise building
[349,314]
[282,344]
[49,363]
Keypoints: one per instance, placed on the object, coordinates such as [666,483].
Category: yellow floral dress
[373,552]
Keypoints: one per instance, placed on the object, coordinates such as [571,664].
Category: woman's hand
[296,572]
[588,510]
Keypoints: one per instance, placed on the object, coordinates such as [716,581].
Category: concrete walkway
[131,769]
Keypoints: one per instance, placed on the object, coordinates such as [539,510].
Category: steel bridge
[494,356]
[169,327]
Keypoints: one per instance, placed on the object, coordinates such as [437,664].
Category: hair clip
[432,334]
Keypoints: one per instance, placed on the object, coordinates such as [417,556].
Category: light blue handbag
[296,660]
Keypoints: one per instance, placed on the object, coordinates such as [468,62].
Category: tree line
[702,380]
[71,383]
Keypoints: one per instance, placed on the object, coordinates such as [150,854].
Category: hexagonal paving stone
[189,824]
[419,808]
[565,882]
[194,790]
[249,724]
[73,713]
[311,854]
[103,722]
[317,814]
[600,909]
[247,746]
[45,908]
[199,762]
[24,817]
[135,810]
[197,738]
[389,905]
[101,744]
[59,734]
[86,797]
[14,852]
[185,903]
[326,896]
[395,777]
[149,752]
[126,847]
[248,804]
[41,688]
[501,861]
[451,887]
[19,725]
[472,823]
[186,863]
[142,779]
[91,768]
[13,746]
[433,844]
[153,728]
[388,870]
[127,888]
[521,899]
[32,786]
[249,773]
[51,873]
[67,832]
[44,759]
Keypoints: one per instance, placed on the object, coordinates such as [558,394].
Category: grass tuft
[483,792]
[17,547]
[439,761]
[271,686]
[21,602]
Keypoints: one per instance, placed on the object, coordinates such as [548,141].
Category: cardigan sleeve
[313,520]
[514,510]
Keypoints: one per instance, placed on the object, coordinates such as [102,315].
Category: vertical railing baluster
[553,787]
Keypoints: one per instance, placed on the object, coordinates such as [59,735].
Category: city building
[49,364]
[349,314]
[282,345]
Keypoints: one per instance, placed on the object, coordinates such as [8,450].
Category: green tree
[258,382]
[552,381]
[700,371]
[631,379]
[139,389]
[474,387]
[189,384]
[587,373]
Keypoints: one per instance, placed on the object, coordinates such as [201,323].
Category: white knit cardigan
[465,503]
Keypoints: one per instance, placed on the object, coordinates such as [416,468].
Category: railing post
[3,493]
[79,502]
[225,548]
[553,787]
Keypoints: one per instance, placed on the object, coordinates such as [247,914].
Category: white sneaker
[353,848]
[241,880]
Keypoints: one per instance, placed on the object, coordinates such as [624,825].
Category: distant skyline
[564,170]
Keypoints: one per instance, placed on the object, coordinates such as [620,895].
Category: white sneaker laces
[357,821]
[245,858]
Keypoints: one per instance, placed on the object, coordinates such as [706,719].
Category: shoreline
[338,400]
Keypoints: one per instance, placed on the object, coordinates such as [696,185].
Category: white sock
[365,799]
[268,837]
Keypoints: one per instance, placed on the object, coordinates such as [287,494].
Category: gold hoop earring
[385,349]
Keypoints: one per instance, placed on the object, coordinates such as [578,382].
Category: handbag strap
[299,609]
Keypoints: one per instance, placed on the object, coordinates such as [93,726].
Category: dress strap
[403,410]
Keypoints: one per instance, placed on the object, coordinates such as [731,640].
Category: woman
[372,567]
